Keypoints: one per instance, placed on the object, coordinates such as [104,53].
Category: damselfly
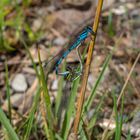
[57,60]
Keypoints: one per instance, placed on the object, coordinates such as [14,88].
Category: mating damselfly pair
[57,60]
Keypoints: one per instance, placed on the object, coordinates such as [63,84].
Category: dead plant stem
[81,96]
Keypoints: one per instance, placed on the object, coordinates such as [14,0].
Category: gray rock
[15,101]
[59,41]
[19,83]
[54,85]
[135,125]
[51,8]
[36,24]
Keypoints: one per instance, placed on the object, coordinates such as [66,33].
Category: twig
[128,77]
[121,94]
[86,72]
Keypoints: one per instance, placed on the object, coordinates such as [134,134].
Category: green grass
[8,92]
[51,117]
[9,128]
[70,110]
[111,30]
[14,25]
[118,118]
[29,127]
[52,128]
[59,95]
[31,118]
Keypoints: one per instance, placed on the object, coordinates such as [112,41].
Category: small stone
[15,101]
[136,120]
[90,114]
[135,125]
[55,85]
[19,83]
[59,41]
[36,25]
[51,8]
[91,80]
[30,79]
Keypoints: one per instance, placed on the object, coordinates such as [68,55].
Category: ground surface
[53,24]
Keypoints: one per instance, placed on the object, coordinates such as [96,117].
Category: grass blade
[50,117]
[59,94]
[31,115]
[5,122]
[119,119]
[93,93]
[96,113]
[34,65]
[8,92]
[70,110]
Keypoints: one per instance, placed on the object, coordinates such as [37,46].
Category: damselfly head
[90,30]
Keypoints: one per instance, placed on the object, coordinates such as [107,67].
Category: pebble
[59,41]
[135,125]
[36,24]
[51,8]
[14,101]
[90,114]
[19,83]
[30,79]
[54,85]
